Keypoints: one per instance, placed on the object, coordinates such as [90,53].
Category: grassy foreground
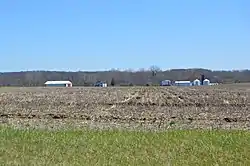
[92,147]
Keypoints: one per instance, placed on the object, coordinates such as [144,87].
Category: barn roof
[182,82]
[58,82]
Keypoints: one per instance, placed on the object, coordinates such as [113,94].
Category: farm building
[196,82]
[183,83]
[101,84]
[165,83]
[206,82]
[58,83]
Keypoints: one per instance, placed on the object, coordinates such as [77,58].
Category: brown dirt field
[160,108]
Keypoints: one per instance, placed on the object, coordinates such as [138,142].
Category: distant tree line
[151,76]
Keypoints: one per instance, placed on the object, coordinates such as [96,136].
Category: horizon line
[123,70]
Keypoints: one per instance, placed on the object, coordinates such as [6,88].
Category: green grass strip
[95,147]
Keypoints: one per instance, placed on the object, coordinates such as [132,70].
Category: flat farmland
[150,108]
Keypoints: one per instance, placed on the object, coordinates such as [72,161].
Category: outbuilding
[196,82]
[101,84]
[58,84]
[182,83]
[206,82]
[165,83]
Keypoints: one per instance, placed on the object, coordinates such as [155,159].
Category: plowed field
[215,107]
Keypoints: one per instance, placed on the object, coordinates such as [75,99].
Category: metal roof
[182,82]
[58,82]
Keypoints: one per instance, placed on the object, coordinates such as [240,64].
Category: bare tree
[154,69]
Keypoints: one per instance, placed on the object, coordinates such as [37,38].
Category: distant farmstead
[58,84]
[196,82]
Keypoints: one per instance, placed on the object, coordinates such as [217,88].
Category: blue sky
[98,35]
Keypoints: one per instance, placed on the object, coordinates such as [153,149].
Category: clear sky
[103,34]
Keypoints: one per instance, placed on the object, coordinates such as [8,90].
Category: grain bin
[206,82]
[196,82]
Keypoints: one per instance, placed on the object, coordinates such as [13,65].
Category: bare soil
[160,108]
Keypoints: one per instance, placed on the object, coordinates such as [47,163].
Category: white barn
[182,83]
[58,84]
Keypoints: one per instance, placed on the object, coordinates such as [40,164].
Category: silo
[206,82]
[202,79]
[197,82]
